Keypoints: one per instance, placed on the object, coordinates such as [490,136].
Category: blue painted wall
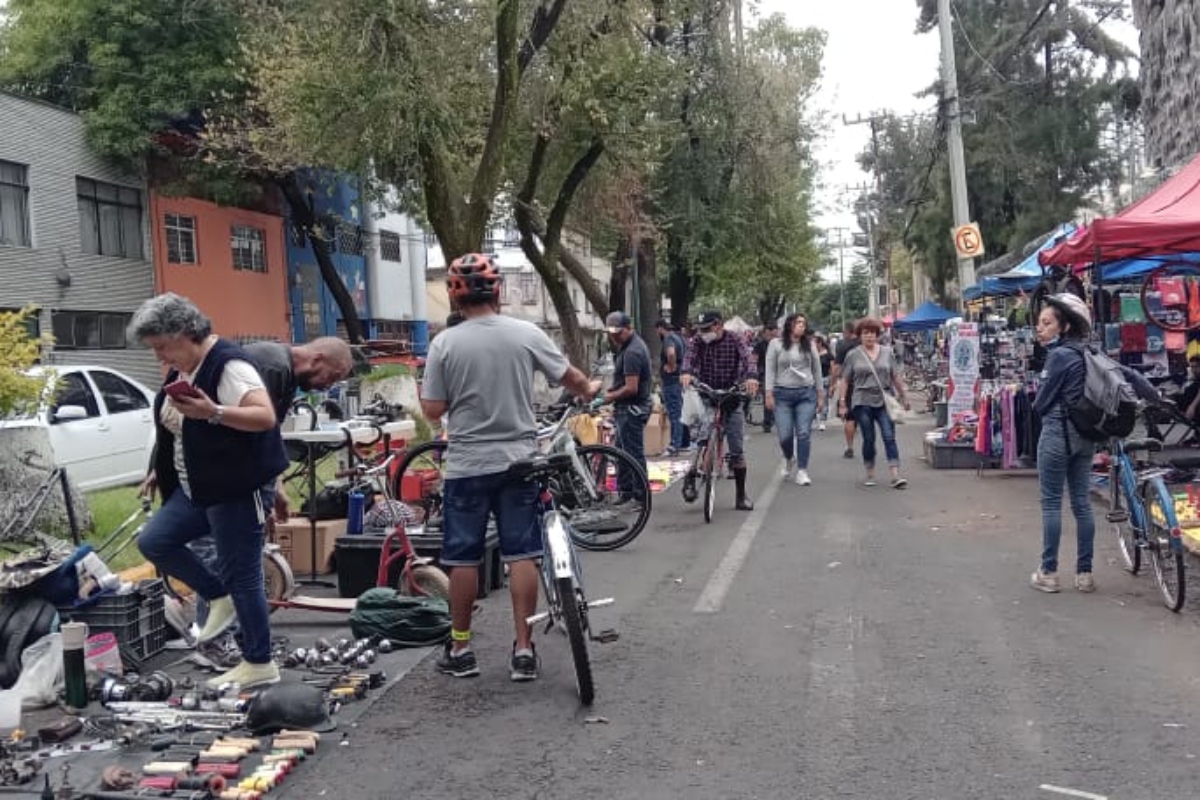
[314,312]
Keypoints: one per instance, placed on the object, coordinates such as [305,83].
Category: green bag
[406,621]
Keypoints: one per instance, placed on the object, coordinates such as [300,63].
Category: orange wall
[240,304]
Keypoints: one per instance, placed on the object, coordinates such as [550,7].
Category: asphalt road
[870,643]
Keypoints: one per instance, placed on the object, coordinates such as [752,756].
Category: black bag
[332,502]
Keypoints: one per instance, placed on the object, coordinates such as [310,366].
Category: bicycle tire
[573,620]
[1127,537]
[588,454]
[432,452]
[1166,552]
[427,581]
[1177,321]
[278,579]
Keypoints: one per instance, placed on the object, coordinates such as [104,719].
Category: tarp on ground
[927,316]
[1164,222]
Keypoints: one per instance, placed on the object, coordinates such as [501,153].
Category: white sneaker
[247,675]
[788,469]
[821,425]
[802,478]
[221,615]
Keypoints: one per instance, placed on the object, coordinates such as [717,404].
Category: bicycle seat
[1142,445]
[540,466]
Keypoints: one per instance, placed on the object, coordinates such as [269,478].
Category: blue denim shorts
[467,504]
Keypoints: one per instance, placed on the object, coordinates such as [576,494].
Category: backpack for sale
[1108,405]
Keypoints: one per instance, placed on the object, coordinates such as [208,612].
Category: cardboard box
[658,433]
[294,538]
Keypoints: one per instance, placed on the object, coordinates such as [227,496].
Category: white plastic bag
[693,408]
[42,677]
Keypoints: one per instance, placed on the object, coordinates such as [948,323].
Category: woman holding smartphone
[218,449]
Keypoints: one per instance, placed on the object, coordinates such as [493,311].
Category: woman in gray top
[795,392]
[870,370]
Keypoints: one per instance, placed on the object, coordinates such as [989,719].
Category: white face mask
[708,336]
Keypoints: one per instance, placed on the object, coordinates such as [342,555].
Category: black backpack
[1108,406]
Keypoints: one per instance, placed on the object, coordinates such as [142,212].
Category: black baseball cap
[708,319]
[617,321]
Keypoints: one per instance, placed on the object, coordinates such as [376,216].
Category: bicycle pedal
[606,636]
[1117,516]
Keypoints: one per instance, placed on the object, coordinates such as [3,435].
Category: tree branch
[504,106]
[544,22]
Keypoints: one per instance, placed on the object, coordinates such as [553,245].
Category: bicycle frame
[1124,472]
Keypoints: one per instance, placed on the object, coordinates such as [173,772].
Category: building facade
[73,239]
[1170,78]
[397,250]
[231,262]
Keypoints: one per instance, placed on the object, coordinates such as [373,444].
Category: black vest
[222,464]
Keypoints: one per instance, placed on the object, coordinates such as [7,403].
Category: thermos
[354,518]
[74,637]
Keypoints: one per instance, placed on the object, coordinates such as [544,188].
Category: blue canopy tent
[1000,286]
[926,317]
[1130,268]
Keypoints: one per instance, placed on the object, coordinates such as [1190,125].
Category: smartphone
[181,388]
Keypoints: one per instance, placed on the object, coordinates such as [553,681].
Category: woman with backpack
[1064,455]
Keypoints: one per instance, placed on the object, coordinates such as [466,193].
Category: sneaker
[524,664]
[246,675]
[848,453]
[1044,581]
[461,664]
[802,478]
[689,488]
[821,426]
[222,651]
[899,483]
[1084,582]
[220,616]
[788,469]
[869,482]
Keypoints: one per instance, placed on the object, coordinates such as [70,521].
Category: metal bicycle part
[1164,544]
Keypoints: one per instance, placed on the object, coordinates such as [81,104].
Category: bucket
[102,654]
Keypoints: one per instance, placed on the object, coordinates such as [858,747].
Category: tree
[18,352]
[145,75]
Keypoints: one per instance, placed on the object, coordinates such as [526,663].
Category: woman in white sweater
[795,392]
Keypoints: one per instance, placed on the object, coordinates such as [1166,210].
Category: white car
[100,424]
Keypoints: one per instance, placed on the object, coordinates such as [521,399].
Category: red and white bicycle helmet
[473,278]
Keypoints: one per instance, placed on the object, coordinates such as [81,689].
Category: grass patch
[381,372]
[110,507]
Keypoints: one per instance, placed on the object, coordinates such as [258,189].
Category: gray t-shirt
[483,369]
[792,368]
[867,390]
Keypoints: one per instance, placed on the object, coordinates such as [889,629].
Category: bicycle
[567,606]
[588,496]
[1142,512]
[711,453]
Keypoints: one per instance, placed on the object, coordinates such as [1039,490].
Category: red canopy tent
[1164,222]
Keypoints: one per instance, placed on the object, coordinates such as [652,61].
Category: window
[119,394]
[529,290]
[389,246]
[110,219]
[350,239]
[73,390]
[181,239]
[89,330]
[14,204]
[249,248]
[33,322]
[881,295]
[512,237]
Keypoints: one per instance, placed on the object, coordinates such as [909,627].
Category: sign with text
[964,369]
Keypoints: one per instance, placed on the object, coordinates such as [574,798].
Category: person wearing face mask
[722,360]
[630,397]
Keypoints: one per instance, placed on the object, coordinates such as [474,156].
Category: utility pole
[954,142]
[875,120]
[864,196]
[841,272]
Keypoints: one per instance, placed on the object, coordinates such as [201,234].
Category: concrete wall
[1170,76]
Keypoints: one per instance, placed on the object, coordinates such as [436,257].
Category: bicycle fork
[559,564]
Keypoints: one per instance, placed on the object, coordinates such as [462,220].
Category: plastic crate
[954,456]
[138,619]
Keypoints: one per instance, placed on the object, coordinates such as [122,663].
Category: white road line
[1045,787]
[722,578]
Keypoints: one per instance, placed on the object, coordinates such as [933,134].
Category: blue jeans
[206,548]
[466,505]
[794,412]
[1065,457]
[867,418]
[237,527]
[631,438]
[673,400]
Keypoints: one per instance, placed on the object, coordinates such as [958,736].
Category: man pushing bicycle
[480,372]
[722,361]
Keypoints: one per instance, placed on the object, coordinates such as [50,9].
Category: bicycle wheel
[1131,553]
[573,617]
[710,481]
[278,579]
[426,463]
[604,523]
[424,580]
[1164,545]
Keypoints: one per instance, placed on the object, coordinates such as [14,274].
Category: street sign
[968,241]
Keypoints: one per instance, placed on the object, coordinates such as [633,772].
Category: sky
[874,61]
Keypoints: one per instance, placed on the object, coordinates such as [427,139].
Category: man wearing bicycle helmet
[722,361]
[481,373]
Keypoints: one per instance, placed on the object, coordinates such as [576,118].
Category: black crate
[137,619]
[357,561]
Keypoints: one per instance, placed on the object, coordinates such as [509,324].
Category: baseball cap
[617,321]
[708,319]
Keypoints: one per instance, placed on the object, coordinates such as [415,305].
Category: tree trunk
[620,276]
[649,297]
[303,214]
[681,282]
